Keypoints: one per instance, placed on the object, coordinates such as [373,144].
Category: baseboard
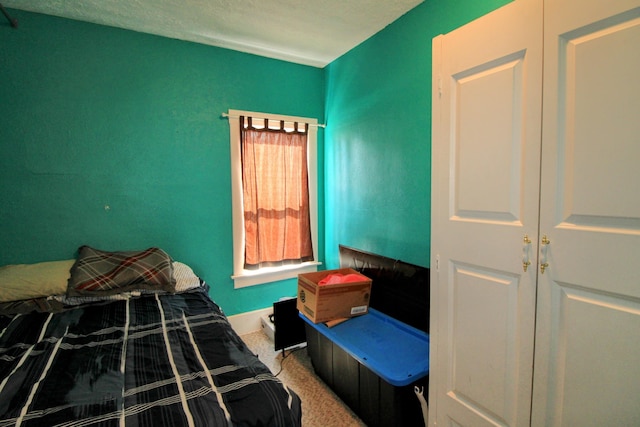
[245,323]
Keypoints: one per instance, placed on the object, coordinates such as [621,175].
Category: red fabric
[335,278]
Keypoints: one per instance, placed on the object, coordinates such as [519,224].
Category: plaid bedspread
[156,360]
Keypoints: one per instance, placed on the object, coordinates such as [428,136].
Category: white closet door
[486,158]
[587,362]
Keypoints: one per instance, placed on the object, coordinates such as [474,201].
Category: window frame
[242,277]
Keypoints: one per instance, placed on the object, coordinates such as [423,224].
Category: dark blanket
[156,360]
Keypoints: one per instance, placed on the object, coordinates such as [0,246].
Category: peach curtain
[275,194]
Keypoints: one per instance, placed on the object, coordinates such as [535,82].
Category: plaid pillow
[110,273]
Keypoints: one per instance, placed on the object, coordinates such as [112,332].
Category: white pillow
[185,277]
[27,281]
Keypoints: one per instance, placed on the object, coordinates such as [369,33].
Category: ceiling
[310,32]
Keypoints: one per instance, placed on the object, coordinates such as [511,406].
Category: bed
[132,338]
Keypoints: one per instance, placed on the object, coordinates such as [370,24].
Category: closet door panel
[484,353]
[588,317]
[486,186]
[487,142]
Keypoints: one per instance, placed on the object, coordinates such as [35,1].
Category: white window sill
[272,274]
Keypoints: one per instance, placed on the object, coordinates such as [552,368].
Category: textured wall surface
[114,139]
[378,142]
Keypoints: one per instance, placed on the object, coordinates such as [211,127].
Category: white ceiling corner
[309,32]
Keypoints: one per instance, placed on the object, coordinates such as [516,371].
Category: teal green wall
[378,138]
[93,116]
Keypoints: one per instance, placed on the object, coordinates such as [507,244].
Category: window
[255,267]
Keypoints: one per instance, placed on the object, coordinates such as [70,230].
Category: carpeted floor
[320,406]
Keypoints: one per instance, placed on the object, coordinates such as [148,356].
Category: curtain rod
[319,125]
[12,21]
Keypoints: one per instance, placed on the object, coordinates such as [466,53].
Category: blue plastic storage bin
[395,351]
[373,363]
